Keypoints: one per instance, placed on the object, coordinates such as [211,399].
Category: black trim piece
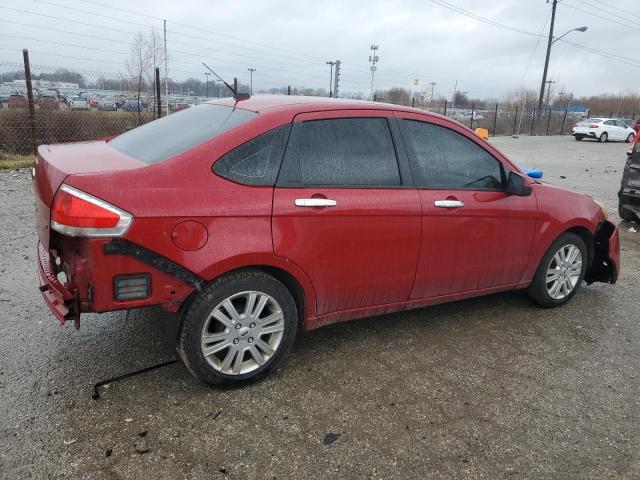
[155,260]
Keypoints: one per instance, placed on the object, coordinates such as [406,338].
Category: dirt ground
[489,388]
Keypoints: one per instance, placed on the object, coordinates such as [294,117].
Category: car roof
[299,104]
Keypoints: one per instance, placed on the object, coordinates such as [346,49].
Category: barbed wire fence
[46,104]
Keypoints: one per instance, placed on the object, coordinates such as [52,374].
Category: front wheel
[578,138]
[238,328]
[630,138]
[560,272]
[604,137]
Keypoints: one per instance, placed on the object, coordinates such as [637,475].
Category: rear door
[474,235]
[344,211]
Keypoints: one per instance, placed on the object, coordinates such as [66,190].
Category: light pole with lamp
[206,74]
[551,41]
[331,64]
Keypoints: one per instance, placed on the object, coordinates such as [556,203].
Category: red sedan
[259,218]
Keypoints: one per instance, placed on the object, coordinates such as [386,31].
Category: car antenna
[236,95]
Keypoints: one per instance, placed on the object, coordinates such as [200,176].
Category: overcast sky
[288,42]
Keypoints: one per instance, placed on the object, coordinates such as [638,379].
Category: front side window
[341,152]
[161,139]
[444,159]
[257,161]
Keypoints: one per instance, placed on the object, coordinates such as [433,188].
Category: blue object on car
[533,173]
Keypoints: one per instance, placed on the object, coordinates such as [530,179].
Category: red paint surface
[379,250]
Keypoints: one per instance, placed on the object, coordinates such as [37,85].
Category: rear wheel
[630,138]
[604,137]
[626,214]
[560,272]
[238,328]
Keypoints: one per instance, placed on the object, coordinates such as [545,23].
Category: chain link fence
[62,105]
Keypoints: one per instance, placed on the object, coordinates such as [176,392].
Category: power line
[479,18]
[588,12]
[609,11]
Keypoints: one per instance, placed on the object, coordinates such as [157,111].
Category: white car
[78,103]
[603,130]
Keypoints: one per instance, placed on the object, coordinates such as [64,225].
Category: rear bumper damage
[605,266]
[58,297]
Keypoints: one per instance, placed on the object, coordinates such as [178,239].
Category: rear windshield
[176,133]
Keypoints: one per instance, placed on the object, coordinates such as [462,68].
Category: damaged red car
[258,218]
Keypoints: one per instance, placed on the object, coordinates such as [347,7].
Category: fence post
[288,89]
[158,101]
[564,121]
[32,108]
[495,120]
[473,110]
[533,120]
[548,121]
[445,107]
[515,122]
[235,83]
[413,102]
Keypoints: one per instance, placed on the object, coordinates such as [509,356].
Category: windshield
[168,136]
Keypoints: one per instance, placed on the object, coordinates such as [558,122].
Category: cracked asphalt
[490,388]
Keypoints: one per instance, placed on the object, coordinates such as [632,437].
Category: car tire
[604,137]
[208,324]
[543,289]
[578,138]
[626,214]
[630,138]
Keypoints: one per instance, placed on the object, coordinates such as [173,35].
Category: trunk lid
[54,163]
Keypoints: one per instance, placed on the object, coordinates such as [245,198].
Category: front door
[474,235]
[343,213]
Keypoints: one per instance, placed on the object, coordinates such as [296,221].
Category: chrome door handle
[315,202]
[448,203]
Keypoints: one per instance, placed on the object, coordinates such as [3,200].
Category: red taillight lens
[594,126]
[78,214]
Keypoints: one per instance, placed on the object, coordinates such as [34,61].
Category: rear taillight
[594,126]
[78,214]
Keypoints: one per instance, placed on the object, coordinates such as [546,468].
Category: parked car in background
[132,106]
[94,101]
[629,194]
[18,100]
[603,130]
[259,217]
[49,102]
[78,103]
[107,104]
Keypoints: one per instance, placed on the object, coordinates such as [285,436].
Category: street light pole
[433,84]
[251,70]
[331,64]
[206,74]
[550,42]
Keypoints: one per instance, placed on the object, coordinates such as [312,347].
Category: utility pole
[206,74]
[336,79]
[166,74]
[433,84]
[453,98]
[549,82]
[331,64]
[251,70]
[373,59]
[546,61]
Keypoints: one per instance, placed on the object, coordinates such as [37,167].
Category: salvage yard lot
[493,387]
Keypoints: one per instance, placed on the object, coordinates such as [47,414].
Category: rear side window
[176,133]
[444,159]
[257,161]
[341,152]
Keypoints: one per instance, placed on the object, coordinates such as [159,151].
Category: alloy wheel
[242,333]
[564,271]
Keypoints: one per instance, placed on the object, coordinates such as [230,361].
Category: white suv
[603,129]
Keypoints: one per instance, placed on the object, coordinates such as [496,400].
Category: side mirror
[516,185]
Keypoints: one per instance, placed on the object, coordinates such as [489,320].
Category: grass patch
[11,162]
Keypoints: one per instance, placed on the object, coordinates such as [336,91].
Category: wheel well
[589,241]
[288,280]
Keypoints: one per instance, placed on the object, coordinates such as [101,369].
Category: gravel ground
[493,387]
